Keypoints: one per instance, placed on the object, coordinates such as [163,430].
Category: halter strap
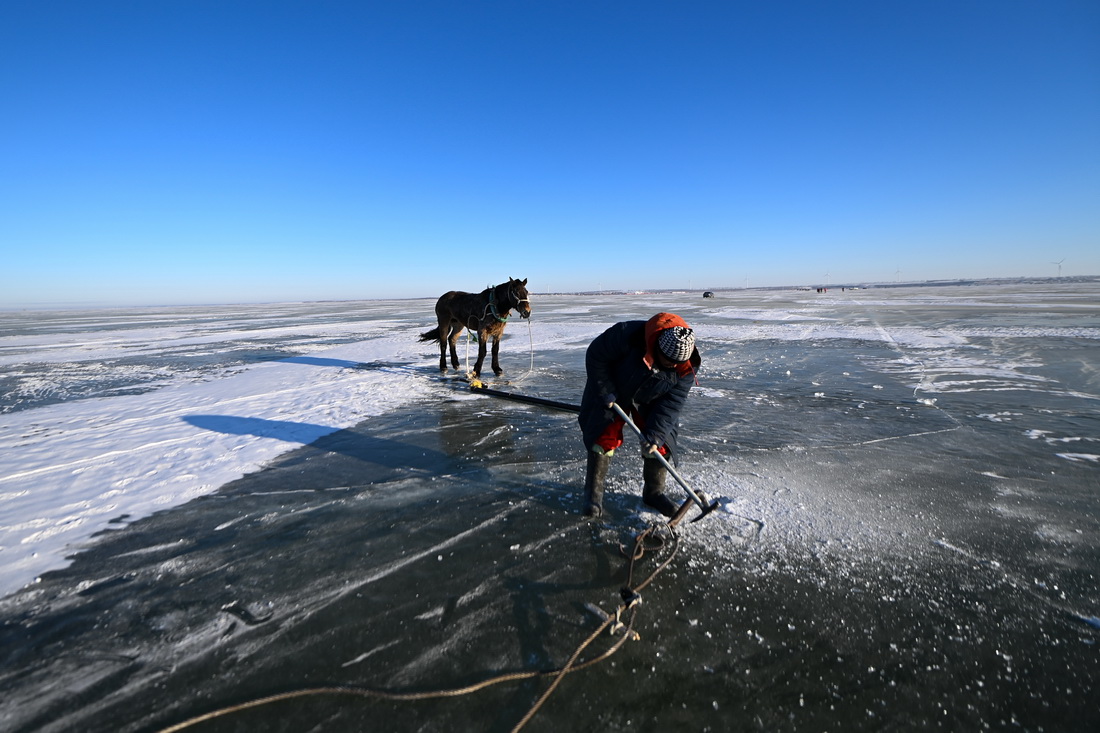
[512,293]
[492,306]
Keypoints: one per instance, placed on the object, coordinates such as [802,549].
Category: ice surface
[71,467]
[230,501]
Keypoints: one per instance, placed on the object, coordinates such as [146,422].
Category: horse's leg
[452,340]
[482,338]
[496,350]
[444,326]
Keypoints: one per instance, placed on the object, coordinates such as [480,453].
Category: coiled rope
[652,538]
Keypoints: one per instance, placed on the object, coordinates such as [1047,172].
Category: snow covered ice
[228,502]
[118,414]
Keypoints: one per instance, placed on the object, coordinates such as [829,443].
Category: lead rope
[469,333]
[531,351]
[490,309]
[530,339]
[631,599]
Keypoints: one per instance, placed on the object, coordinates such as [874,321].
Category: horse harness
[492,313]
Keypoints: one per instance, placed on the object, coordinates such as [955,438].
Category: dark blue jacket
[615,365]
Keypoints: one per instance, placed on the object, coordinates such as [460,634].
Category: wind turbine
[897,275]
[1059,263]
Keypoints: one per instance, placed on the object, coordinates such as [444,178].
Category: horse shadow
[325,362]
[393,367]
[286,431]
[352,443]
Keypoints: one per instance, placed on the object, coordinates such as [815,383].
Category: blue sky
[190,151]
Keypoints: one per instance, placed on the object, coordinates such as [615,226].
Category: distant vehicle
[708,294]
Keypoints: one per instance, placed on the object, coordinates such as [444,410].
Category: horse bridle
[516,301]
[491,307]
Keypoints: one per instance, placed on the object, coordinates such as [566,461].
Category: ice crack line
[893,344]
[1032,589]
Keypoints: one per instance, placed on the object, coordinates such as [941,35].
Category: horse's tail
[432,335]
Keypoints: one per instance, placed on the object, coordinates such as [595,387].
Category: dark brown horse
[484,313]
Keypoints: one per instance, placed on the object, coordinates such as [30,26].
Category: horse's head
[518,296]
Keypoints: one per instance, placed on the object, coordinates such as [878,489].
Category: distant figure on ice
[647,367]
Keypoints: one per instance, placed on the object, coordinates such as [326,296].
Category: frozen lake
[204,506]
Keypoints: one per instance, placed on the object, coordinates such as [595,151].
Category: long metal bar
[698,496]
[526,398]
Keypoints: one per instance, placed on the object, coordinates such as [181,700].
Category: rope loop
[652,538]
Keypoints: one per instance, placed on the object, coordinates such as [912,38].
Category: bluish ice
[205,506]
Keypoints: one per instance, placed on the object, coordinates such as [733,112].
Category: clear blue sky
[213,151]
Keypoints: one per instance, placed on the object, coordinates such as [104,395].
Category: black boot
[653,488]
[593,483]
